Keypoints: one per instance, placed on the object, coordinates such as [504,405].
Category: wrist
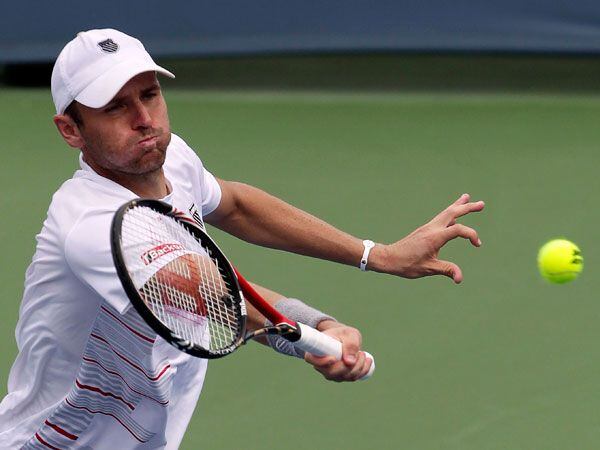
[364,259]
[300,312]
[378,258]
[375,257]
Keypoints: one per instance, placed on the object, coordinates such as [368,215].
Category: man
[90,373]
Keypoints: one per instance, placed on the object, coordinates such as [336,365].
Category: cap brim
[104,88]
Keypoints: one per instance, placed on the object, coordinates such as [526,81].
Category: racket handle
[320,344]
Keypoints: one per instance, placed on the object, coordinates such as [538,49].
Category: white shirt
[90,373]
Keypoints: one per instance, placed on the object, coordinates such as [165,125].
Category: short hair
[73,112]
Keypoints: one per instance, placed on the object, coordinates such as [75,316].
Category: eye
[150,94]
[114,107]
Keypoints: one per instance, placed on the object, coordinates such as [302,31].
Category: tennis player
[90,373]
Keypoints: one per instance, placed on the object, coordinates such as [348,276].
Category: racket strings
[179,280]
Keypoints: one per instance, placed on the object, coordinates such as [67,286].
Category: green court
[503,361]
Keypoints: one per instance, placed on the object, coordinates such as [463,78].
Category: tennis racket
[186,290]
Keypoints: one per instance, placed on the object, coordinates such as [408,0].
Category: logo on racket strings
[161,250]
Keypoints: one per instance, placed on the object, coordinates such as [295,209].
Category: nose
[142,118]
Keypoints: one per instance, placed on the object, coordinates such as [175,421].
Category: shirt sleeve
[205,185]
[211,190]
[88,254]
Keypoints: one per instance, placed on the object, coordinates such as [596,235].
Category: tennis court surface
[503,361]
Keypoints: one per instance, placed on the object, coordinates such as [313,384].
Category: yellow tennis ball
[560,261]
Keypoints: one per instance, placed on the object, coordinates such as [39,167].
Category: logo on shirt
[161,250]
[196,215]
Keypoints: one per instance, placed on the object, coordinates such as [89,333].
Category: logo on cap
[108,46]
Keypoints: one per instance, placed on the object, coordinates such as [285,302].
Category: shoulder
[89,234]
[188,174]
[179,148]
[81,196]
[181,158]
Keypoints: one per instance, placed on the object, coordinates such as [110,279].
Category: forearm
[297,311]
[259,218]
[292,308]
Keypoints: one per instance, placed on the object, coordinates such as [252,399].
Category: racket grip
[320,344]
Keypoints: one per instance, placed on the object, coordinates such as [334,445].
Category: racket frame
[136,299]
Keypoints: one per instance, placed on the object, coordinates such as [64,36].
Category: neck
[147,185]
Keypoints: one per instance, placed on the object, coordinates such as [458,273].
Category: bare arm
[260,218]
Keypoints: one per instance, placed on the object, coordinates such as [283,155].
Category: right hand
[353,366]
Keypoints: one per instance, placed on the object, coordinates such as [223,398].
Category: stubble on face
[126,157]
[116,142]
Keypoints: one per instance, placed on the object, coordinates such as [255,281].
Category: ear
[69,130]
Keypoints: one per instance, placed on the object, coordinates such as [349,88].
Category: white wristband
[365,257]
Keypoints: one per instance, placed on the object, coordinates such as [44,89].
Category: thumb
[448,269]
[350,353]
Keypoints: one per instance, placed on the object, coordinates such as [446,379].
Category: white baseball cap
[94,66]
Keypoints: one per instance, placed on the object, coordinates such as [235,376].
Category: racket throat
[284,329]
[291,332]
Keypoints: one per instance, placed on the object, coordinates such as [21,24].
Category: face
[130,135]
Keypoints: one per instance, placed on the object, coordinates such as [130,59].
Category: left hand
[353,366]
[416,255]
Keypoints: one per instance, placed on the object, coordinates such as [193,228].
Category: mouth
[147,142]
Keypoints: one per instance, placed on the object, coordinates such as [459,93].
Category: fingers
[462,199]
[459,208]
[447,268]
[463,231]
[359,369]
[339,371]
[320,363]
[463,210]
